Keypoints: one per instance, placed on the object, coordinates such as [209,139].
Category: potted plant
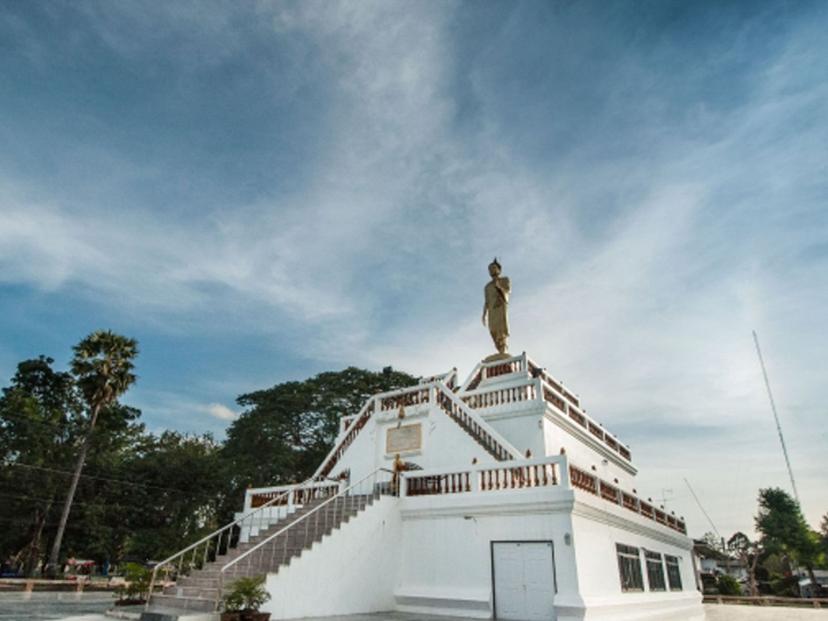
[245,598]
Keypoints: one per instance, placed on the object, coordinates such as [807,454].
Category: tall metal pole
[775,416]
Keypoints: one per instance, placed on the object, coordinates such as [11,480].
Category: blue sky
[261,191]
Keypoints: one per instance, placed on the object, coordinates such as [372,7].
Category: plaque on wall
[404,438]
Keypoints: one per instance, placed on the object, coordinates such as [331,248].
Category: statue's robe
[497,306]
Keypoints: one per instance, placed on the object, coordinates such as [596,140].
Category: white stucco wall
[521,427]
[352,570]
[584,456]
[597,527]
[444,444]
[446,546]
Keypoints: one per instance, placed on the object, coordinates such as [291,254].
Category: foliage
[102,368]
[728,585]
[136,582]
[144,496]
[294,424]
[749,553]
[712,540]
[164,469]
[785,532]
[40,421]
[246,594]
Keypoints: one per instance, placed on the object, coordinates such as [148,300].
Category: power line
[698,502]
[92,476]
[776,416]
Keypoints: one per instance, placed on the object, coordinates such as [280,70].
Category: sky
[261,191]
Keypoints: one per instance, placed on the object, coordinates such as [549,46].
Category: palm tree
[102,367]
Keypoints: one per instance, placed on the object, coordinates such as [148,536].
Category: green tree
[102,367]
[784,530]
[179,486]
[294,424]
[748,553]
[39,420]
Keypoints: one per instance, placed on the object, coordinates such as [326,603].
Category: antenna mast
[775,416]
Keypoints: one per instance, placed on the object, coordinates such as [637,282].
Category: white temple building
[495,498]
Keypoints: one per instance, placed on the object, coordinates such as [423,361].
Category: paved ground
[37,612]
[725,612]
[51,606]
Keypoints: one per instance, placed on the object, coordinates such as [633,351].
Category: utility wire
[776,417]
[698,502]
[92,476]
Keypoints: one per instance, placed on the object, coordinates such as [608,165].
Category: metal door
[524,580]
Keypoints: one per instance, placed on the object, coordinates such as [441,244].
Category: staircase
[199,591]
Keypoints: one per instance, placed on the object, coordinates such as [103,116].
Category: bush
[728,585]
[247,594]
[136,582]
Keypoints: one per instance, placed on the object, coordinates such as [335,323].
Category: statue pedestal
[498,356]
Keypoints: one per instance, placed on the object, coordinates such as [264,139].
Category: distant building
[711,563]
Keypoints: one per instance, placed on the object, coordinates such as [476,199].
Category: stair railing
[223,539]
[497,446]
[322,518]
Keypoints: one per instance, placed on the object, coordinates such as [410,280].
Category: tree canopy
[142,496]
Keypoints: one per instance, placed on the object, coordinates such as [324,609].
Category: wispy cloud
[331,179]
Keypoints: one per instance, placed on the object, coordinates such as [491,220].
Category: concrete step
[155,613]
[193,591]
[197,581]
[198,590]
[197,604]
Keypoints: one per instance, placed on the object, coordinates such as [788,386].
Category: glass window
[629,568]
[655,571]
[673,572]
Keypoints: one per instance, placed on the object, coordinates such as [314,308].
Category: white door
[524,582]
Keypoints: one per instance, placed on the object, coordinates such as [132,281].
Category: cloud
[222,412]
[653,199]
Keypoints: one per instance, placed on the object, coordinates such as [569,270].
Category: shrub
[728,585]
[247,594]
[136,582]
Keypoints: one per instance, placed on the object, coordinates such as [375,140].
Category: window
[629,568]
[673,572]
[655,571]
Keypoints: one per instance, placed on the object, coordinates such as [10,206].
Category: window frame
[629,568]
[674,563]
[650,559]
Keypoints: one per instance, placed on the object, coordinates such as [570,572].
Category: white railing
[498,446]
[328,514]
[493,397]
[548,393]
[229,536]
[517,474]
[348,435]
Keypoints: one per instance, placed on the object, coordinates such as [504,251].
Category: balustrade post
[403,484]
[563,469]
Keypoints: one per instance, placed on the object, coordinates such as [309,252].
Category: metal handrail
[302,519]
[220,532]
